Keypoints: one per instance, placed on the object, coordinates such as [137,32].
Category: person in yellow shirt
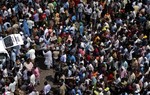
[97,39]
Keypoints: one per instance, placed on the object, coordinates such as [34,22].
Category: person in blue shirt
[81,29]
[71,58]
[25,27]
[79,92]
[73,18]
[66,5]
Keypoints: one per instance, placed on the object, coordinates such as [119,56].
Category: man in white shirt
[88,11]
[63,58]
[32,79]
[12,86]
[80,10]
[48,59]
[31,54]
[30,24]
[47,88]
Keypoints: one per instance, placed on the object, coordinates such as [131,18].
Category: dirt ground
[45,75]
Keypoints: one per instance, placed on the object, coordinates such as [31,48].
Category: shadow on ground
[55,91]
[40,63]
[49,78]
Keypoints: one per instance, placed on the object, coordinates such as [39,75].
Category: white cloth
[7,25]
[28,66]
[33,93]
[47,11]
[12,86]
[28,42]
[30,23]
[5,13]
[47,89]
[5,73]
[80,7]
[32,79]
[88,11]
[48,58]
[7,93]
[16,79]
[31,54]
[63,58]
[62,10]
[91,67]
[45,32]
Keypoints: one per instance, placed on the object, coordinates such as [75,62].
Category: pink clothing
[82,52]
[36,72]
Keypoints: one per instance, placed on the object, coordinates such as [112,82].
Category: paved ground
[46,75]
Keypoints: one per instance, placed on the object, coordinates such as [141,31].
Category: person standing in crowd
[71,6]
[31,54]
[37,74]
[28,64]
[62,89]
[48,58]
[13,57]
[25,27]
[12,86]
[32,78]
[88,12]
[47,88]
[80,9]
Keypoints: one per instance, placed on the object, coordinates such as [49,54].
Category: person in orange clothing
[95,73]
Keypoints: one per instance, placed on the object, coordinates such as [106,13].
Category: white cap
[40,10]
[21,33]
[102,44]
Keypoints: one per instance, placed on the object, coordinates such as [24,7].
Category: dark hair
[28,60]
[12,80]
[3,90]
[45,83]
[29,73]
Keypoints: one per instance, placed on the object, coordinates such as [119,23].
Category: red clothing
[88,57]
[110,77]
[82,52]
[76,2]
[42,16]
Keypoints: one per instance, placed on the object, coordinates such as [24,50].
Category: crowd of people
[96,47]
